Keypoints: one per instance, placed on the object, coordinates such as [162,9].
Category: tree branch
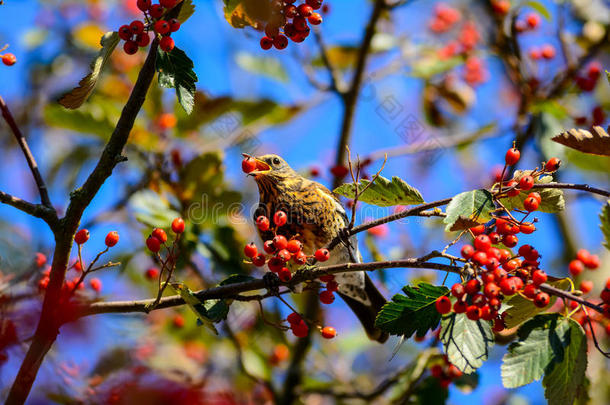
[572,186]
[42,188]
[37,210]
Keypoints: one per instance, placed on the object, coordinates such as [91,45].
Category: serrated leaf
[540,8]
[604,225]
[80,94]
[521,309]
[565,379]
[468,209]
[466,343]
[414,312]
[176,71]
[552,198]
[262,65]
[596,142]
[527,359]
[187,9]
[383,192]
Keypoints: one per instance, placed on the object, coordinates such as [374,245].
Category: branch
[572,186]
[336,84]
[37,210]
[549,289]
[42,188]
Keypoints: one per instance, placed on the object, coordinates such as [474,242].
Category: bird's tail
[367,313]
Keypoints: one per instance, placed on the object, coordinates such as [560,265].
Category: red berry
[509,285]
[96,284]
[548,51]
[473,286]
[266,43]
[294,246]
[479,300]
[328,332]
[300,23]
[332,285]
[259,260]
[527,228]
[498,325]
[40,259]
[285,275]
[248,165]
[460,307]
[152,273]
[262,222]
[539,277]
[250,250]
[525,249]
[531,204]
[161,27]
[443,304]
[280,242]
[112,238]
[512,156]
[275,264]
[501,6]
[327,297]
[495,238]
[143,40]
[280,42]
[477,230]
[533,20]
[174,25]
[586,286]
[153,244]
[526,183]
[300,257]
[315,4]
[473,313]
[504,255]
[480,258]
[305,10]
[290,11]
[178,225]
[322,255]
[294,318]
[130,47]
[510,241]
[482,243]
[136,27]
[491,290]
[552,165]
[81,236]
[530,291]
[536,196]
[467,251]
[77,266]
[514,191]
[542,299]
[605,295]
[576,267]
[156,10]
[268,247]
[511,265]
[159,234]
[284,254]
[327,278]
[300,329]
[592,262]
[458,290]
[167,44]
[315,19]
[583,255]
[178,321]
[144,5]
[168,3]
[125,32]
[280,218]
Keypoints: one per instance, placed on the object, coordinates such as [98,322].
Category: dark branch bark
[36,210]
[572,186]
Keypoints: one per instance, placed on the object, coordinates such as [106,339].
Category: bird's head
[271,167]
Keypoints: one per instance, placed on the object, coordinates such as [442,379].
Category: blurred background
[444,94]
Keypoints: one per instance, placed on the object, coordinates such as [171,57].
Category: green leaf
[429,392]
[467,343]
[431,65]
[176,71]
[187,9]
[604,218]
[80,94]
[236,278]
[565,379]
[552,198]
[244,13]
[413,313]
[468,209]
[90,119]
[521,309]
[200,309]
[527,359]
[383,192]
[539,7]
[262,65]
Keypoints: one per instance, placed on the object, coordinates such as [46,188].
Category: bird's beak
[261,166]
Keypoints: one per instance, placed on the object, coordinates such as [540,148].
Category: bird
[316,216]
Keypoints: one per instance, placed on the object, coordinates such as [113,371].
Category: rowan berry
[513,192]
[473,313]
[458,290]
[259,260]
[532,20]
[327,278]
[167,44]
[460,307]
[262,222]
[78,267]
[40,259]
[586,286]
[472,286]
[592,262]
[443,304]
[294,318]
[315,19]
[526,183]
[576,267]
[300,329]
[552,165]
[530,204]
[168,3]
[477,230]
[275,264]
[152,273]
[280,218]
[284,274]
[136,27]
[548,51]
[143,40]
[250,250]
[328,332]
[479,300]
[153,244]
[280,242]
[491,290]
[81,236]
[96,284]
[284,254]
[332,285]
[498,325]
[280,42]
[530,291]
[510,241]
[174,25]
[542,299]
[300,257]
[512,156]
[467,251]
[327,297]
[130,47]
[112,238]
[315,4]
[539,277]
[504,255]
[480,258]
[482,243]
[305,10]
[124,32]
[300,23]
[178,321]
[159,234]
[509,286]
[156,10]
[527,228]
[290,11]
[322,255]
[605,295]
[266,44]
[144,5]
[495,238]
[294,246]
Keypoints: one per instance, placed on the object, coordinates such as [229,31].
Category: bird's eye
[276,161]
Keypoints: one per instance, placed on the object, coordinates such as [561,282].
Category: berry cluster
[158,236]
[136,34]
[588,80]
[290,21]
[445,372]
[299,327]
[583,260]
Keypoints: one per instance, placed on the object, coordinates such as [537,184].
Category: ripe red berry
[315,4]
[552,165]
[504,255]
[480,258]
[322,255]
[327,297]
[512,156]
[294,246]
[284,274]
[248,165]
[328,332]
[143,39]
[510,240]
[156,10]
[482,243]
[327,278]
[473,286]
[300,23]
[174,25]
[81,236]
[530,291]
[294,318]
[259,260]
[159,234]
[168,3]
[592,262]
[250,250]
[305,10]
[152,273]
[443,304]
[266,43]
[167,44]
[40,259]
[178,321]
[275,264]
[161,27]
[290,11]
[268,247]
[477,230]
[533,20]
[526,183]
[498,325]
[153,244]
[536,196]
[332,285]
[315,19]
[300,329]
[527,228]
[548,51]
[178,225]
[479,300]
[542,299]
[280,218]
[112,238]
[144,5]
[530,204]
[136,27]
[460,307]
[539,277]
[262,222]
[501,7]
[509,286]
[280,42]
[96,284]
[130,47]
[280,242]
[576,267]
[300,257]
[467,251]
[284,255]
[513,192]
[491,290]
[586,286]
[458,290]
[473,313]
[495,238]
[605,295]
[124,32]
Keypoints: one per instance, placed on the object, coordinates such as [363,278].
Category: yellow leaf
[596,142]
[88,35]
